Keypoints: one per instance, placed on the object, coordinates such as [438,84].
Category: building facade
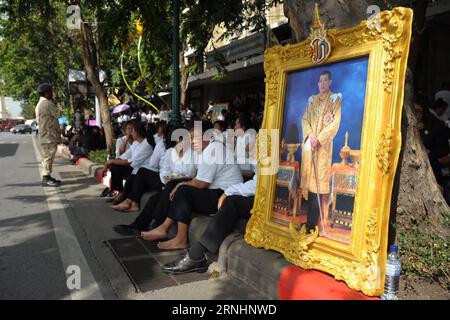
[233,70]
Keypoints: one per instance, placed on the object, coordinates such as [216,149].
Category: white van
[32,124]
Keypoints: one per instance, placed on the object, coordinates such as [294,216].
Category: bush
[98,157]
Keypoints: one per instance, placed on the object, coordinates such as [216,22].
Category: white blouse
[157,138]
[119,143]
[242,155]
[171,164]
[138,155]
[153,163]
[246,189]
[217,167]
[242,142]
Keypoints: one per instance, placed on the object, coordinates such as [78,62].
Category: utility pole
[175,117]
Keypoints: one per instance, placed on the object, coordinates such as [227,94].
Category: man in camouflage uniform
[47,117]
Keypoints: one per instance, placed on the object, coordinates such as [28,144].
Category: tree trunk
[184,77]
[416,193]
[92,74]
[419,196]
[333,14]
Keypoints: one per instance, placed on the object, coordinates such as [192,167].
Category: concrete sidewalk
[93,222]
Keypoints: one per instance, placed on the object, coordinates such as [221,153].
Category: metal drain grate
[127,248]
[146,274]
[142,262]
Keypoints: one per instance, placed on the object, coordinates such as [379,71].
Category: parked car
[22,129]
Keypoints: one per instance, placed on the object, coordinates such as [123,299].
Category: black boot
[55,181]
[48,181]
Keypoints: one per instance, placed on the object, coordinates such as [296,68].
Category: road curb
[89,168]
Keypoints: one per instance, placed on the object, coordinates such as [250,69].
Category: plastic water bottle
[393,268]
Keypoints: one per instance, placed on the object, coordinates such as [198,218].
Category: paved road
[37,241]
[30,265]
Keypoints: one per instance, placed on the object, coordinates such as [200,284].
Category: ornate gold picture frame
[382,45]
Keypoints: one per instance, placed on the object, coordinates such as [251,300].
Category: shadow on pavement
[31,184]
[30,266]
[8,149]
[29,199]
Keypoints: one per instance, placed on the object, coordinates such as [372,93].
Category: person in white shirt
[210,107]
[444,94]
[219,133]
[189,114]
[183,116]
[154,116]
[164,115]
[161,131]
[216,172]
[178,164]
[235,204]
[124,118]
[246,137]
[147,179]
[149,115]
[124,142]
[129,163]
[143,116]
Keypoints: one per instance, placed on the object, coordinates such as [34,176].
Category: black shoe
[185,265]
[128,230]
[50,182]
[54,180]
[104,193]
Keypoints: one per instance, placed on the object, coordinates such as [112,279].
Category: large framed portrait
[329,147]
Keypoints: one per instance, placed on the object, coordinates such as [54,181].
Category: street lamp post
[175,117]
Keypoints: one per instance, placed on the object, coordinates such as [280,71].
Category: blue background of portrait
[349,78]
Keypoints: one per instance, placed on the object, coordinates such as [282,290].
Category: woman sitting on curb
[129,163]
[147,179]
